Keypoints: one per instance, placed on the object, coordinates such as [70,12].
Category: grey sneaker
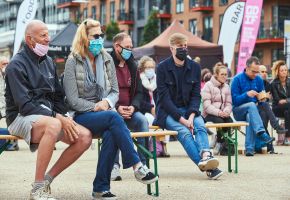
[145,176]
[42,193]
[217,148]
[115,174]
[106,195]
[208,163]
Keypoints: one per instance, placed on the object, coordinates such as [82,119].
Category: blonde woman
[91,88]
[217,101]
[280,90]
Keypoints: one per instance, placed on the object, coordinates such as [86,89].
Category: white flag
[26,13]
[230,28]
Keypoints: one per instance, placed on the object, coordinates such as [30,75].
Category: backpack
[159,147]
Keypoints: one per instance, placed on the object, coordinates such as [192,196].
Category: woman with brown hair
[280,89]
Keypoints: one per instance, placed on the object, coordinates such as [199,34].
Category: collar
[171,67]
[216,82]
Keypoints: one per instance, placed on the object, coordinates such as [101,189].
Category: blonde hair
[177,38]
[80,43]
[142,61]
[276,67]
[217,68]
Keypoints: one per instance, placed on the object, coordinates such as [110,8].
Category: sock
[48,178]
[37,185]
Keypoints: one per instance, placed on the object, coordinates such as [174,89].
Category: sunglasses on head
[97,36]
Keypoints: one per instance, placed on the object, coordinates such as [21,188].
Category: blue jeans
[193,145]
[250,113]
[115,135]
[137,123]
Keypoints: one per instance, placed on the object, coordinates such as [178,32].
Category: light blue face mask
[95,46]
[126,53]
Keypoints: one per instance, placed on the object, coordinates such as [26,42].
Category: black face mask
[181,53]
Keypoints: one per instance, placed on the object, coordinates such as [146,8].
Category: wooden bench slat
[9,137]
[226,125]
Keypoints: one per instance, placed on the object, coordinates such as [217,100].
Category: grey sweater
[74,78]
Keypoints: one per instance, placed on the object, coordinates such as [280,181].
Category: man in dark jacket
[130,92]
[35,109]
[178,101]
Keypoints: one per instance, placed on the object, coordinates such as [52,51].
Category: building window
[179,6]
[112,11]
[283,14]
[193,26]
[122,5]
[94,14]
[85,13]
[103,13]
[192,3]
[141,9]
[207,28]
[223,2]
[140,31]
[277,54]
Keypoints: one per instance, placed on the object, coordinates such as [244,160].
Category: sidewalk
[259,177]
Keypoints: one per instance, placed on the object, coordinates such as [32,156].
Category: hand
[190,119]
[282,101]
[223,114]
[153,111]
[131,109]
[69,127]
[101,106]
[124,112]
[252,93]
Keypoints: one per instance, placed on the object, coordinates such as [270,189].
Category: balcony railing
[125,17]
[202,5]
[67,3]
[269,33]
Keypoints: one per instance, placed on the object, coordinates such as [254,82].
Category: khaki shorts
[22,126]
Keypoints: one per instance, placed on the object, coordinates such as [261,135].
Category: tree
[151,29]
[111,30]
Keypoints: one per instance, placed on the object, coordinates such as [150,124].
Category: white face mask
[149,73]
[40,49]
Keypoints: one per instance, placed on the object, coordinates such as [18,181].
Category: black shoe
[265,137]
[281,130]
[144,176]
[107,195]
[249,153]
[214,174]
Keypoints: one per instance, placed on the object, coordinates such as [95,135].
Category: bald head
[36,32]
[263,71]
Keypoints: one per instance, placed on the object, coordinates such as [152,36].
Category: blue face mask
[95,46]
[126,53]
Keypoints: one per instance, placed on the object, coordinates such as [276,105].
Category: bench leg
[229,151]
[155,166]
[4,146]
[236,150]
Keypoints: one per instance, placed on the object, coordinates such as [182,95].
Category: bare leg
[45,132]
[73,152]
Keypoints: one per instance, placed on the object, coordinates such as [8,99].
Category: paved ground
[259,177]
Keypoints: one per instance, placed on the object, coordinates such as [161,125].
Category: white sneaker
[115,174]
[42,193]
[144,175]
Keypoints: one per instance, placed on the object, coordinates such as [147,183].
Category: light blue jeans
[250,113]
[193,145]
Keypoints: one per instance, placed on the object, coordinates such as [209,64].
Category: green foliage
[111,30]
[151,29]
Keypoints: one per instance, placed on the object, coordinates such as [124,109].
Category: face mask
[126,53]
[181,53]
[95,46]
[149,73]
[40,49]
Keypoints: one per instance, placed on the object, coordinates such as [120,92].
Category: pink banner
[250,27]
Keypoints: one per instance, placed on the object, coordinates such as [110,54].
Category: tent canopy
[158,48]
[60,43]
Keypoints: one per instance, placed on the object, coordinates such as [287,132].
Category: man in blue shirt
[245,89]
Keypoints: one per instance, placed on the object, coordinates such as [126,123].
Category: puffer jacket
[216,97]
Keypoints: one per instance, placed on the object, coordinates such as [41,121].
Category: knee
[53,127]
[115,116]
[183,134]
[251,105]
[141,120]
[85,138]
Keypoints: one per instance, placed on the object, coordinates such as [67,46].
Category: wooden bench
[158,134]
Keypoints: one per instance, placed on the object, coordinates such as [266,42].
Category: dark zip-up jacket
[168,89]
[31,81]
[278,91]
[136,91]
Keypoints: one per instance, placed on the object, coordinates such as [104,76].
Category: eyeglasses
[254,72]
[97,36]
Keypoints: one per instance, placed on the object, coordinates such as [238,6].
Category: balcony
[67,3]
[125,17]
[163,9]
[270,33]
[202,6]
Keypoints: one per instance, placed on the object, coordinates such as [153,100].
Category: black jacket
[31,81]
[146,105]
[136,86]
[167,90]
[278,92]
